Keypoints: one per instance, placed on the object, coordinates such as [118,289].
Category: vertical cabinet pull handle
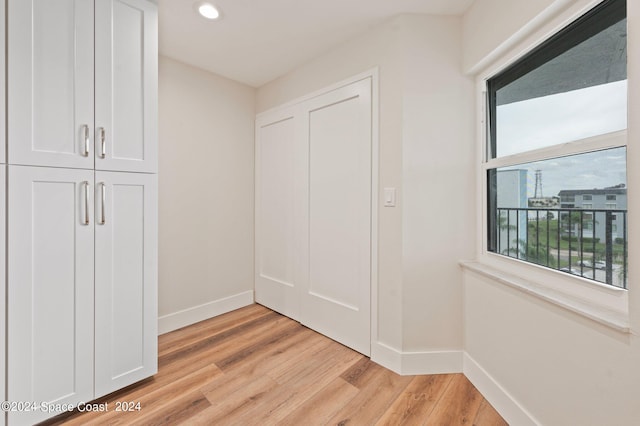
[86,202]
[85,135]
[103,148]
[103,190]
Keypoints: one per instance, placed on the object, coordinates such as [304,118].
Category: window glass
[567,211]
[572,87]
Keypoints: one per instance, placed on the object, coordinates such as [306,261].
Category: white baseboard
[176,320]
[413,363]
[498,397]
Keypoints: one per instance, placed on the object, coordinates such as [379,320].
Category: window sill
[618,321]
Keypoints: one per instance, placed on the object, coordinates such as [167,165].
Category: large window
[557,138]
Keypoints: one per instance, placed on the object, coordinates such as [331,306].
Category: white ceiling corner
[257,41]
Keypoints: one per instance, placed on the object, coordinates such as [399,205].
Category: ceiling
[257,41]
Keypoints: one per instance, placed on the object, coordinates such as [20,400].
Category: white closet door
[279,213]
[313,213]
[125,279]
[335,298]
[50,83]
[50,288]
[126,86]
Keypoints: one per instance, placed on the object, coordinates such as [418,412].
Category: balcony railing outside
[590,243]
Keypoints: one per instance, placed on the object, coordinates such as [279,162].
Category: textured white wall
[206,187]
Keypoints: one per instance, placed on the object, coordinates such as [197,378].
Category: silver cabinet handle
[86,202]
[103,148]
[85,134]
[103,190]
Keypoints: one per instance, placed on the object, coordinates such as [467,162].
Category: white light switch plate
[389,197]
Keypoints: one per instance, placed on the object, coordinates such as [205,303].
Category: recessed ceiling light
[207,10]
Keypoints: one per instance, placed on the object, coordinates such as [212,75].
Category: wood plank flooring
[256,367]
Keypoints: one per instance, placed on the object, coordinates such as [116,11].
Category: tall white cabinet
[82,199]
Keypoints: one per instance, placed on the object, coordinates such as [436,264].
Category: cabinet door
[3,93]
[50,83]
[50,288]
[3,289]
[126,279]
[126,85]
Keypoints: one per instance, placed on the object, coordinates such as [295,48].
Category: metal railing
[591,243]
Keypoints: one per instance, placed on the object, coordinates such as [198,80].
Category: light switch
[389,197]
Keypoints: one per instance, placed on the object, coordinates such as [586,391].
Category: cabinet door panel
[126,85]
[50,294]
[3,289]
[3,93]
[50,83]
[126,275]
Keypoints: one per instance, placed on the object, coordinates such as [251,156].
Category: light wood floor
[256,367]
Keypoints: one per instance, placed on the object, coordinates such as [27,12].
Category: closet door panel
[126,279]
[336,294]
[278,215]
[126,85]
[50,83]
[50,287]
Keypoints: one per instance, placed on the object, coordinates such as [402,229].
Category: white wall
[206,194]
[490,24]
[438,150]
[426,152]
[559,367]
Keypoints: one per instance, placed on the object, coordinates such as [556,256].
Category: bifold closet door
[50,288]
[126,298]
[336,295]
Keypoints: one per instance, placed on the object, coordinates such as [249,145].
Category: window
[611,198]
[557,122]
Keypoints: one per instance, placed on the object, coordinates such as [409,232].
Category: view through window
[566,210]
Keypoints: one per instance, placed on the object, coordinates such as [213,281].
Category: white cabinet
[52,77]
[125,289]
[126,85]
[50,287]
[82,200]
[87,323]
[3,291]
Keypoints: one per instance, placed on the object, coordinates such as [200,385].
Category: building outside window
[557,122]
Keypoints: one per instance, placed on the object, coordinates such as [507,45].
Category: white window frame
[604,303]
